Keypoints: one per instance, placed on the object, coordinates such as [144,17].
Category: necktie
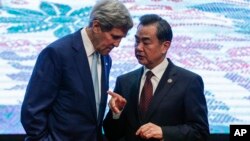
[94,73]
[146,94]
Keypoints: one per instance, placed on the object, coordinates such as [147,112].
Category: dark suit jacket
[178,106]
[59,103]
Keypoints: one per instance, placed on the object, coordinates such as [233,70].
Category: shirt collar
[158,70]
[87,43]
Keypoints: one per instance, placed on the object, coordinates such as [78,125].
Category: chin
[141,62]
[105,53]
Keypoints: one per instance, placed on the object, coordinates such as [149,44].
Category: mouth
[110,48]
[139,57]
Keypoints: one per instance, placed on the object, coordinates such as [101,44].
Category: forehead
[146,31]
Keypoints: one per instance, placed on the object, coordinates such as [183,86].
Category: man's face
[149,51]
[105,41]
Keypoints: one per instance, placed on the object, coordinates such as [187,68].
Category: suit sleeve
[196,126]
[40,94]
[114,128]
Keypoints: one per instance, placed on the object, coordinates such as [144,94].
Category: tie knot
[95,56]
[149,74]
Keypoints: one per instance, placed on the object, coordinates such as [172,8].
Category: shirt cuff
[116,116]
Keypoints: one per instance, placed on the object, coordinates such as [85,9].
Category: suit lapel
[135,95]
[166,82]
[82,64]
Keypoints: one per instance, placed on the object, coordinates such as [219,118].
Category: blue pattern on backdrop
[213,49]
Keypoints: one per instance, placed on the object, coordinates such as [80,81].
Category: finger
[145,132]
[141,129]
[113,100]
[119,100]
[152,131]
[138,132]
[113,94]
[148,133]
[122,102]
[115,110]
[112,104]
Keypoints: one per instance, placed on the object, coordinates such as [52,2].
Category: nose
[138,46]
[116,43]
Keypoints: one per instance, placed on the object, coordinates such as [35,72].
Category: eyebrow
[117,36]
[143,38]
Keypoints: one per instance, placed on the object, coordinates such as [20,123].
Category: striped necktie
[146,94]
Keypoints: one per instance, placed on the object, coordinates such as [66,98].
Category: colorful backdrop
[211,38]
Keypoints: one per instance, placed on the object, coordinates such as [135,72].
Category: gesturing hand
[117,102]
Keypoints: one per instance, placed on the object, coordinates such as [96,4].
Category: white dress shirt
[155,79]
[89,48]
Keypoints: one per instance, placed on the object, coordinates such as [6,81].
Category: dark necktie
[146,94]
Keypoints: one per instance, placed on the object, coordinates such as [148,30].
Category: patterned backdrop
[211,38]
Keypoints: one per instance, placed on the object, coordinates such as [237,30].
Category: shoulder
[65,45]
[186,72]
[183,73]
[134,74]
[62,42]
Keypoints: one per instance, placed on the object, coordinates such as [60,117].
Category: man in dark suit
[61,103]
[175,108]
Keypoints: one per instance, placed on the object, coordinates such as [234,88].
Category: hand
[150,130]
[117,102]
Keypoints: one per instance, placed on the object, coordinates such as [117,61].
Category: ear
[165,46]
[96,26]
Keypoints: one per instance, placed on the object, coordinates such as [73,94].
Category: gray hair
[111,14]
